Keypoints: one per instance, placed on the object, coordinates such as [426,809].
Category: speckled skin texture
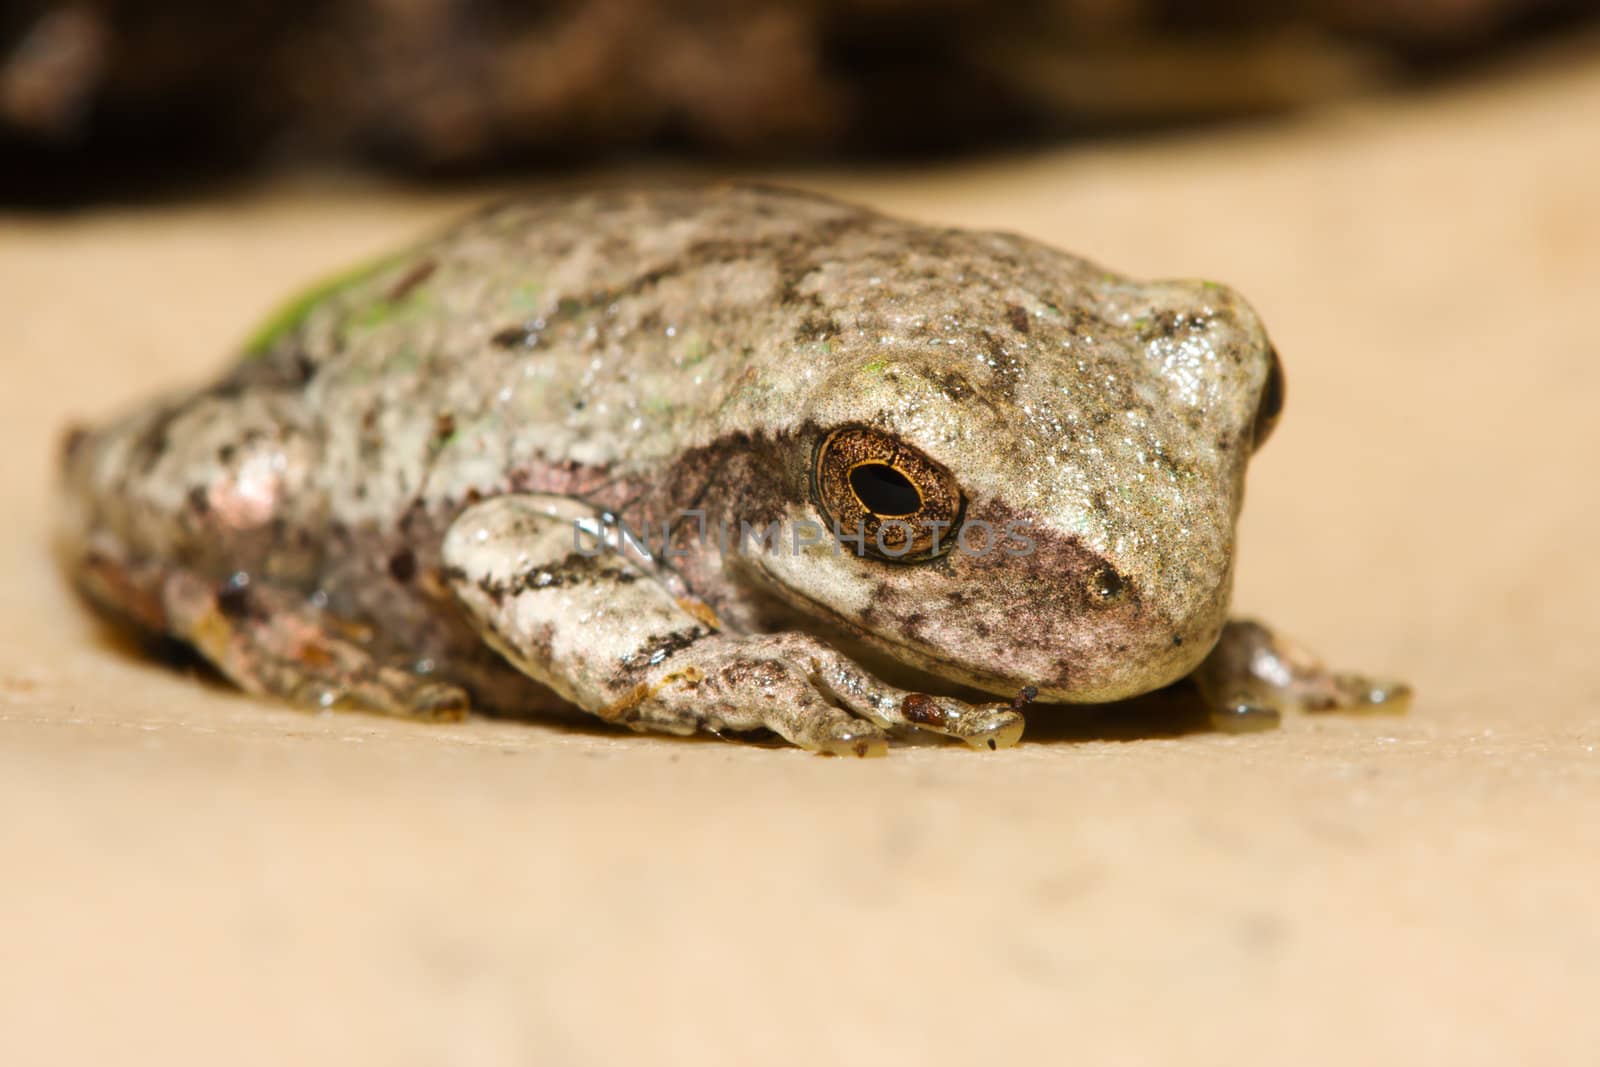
[377,505]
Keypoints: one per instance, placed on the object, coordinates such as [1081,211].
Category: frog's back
[593,330]
[537,342]
[545,344]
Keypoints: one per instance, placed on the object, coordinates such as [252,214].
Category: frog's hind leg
[1254,673]
[183,519]
[272,641]
[279,643]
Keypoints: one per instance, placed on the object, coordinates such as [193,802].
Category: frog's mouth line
[904,654]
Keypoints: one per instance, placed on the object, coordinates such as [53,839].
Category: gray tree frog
[711,459]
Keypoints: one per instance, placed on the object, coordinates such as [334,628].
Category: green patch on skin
[694,352]
[382,312]
[405,360]
[1142,323]
[876,366]
[290,316]
[1212,285]
[1051,310]
[525,298]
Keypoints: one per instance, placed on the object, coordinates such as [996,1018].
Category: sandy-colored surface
[189,876]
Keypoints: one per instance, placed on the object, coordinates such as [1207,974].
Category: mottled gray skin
[376,505]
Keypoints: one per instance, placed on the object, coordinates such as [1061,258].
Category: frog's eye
[902,505]
[1271,402]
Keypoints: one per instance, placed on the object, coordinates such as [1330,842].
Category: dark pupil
[884,490]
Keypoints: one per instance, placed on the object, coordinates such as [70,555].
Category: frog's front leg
[611,633]
[1253,673]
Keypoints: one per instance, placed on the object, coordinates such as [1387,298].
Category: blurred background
[113,98]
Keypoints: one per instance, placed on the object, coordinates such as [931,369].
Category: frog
[728,459]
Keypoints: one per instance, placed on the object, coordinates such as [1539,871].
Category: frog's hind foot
[276,642]
[271,641]
[1253,674]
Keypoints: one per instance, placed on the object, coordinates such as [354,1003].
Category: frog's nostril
[1106,586]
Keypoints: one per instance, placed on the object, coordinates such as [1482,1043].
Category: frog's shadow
[1171,712]
[1174,711]
[125,640]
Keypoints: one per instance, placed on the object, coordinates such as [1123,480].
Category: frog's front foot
[1253,673]
[613,635]
[807,692]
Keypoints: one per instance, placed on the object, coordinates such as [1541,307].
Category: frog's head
[1045,496]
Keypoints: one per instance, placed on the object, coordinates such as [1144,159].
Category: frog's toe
[817,698]
[848,736]
[1243,715]
[1252,672]
[745,683]
[1359,693]
[981,726]
[808,719]
[274,641]
[992,727]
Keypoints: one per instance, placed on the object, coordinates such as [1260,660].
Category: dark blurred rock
[102,96]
